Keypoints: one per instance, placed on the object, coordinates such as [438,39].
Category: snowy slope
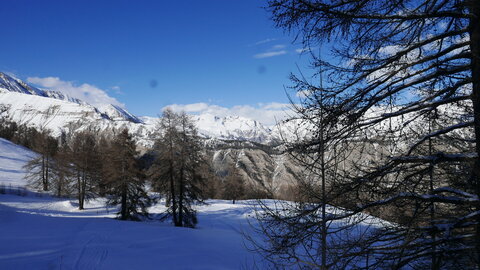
[12,159]
[15,85]
[43,232]
[227,128]
[51,233]
[232,128]
[57,115]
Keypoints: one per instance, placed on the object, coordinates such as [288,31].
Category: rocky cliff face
[265,168]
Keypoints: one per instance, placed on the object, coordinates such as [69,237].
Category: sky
[222,56]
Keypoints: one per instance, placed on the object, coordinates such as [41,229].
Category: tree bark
[79,190]
[474,30]
[180,199]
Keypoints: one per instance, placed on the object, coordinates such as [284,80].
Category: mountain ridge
[34,107]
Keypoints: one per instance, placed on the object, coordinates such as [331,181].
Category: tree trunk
[475,65]
[123,211]
[180,199]
[59,187]
[82,191]
[46,174]
[124,202]
[44,182]
[79,191]
[172,194]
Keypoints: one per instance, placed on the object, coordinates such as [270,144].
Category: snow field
[42,232]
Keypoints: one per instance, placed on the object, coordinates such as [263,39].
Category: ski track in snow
[44,232]
[93,254]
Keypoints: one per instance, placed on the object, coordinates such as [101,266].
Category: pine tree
[179,170]
[63,172]
[125,182]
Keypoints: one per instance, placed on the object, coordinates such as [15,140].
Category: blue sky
[150,54]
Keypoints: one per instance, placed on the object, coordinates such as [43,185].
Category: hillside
[12,159]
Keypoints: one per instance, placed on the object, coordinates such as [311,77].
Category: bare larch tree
[391,66]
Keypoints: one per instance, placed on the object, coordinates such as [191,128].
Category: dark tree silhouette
[391,66]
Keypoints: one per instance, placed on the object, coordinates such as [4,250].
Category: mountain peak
[30,104]
[12,84]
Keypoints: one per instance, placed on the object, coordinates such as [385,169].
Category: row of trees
[87,163]
[394,126]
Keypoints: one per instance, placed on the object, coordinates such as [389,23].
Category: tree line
[87,163]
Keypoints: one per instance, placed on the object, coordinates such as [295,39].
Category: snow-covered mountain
[57,111]
[12,84]
[230,128]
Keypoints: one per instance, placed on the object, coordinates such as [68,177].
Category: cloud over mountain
[86,92]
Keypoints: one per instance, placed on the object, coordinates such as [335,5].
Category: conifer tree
[179,170]
[63,172]
[125,181]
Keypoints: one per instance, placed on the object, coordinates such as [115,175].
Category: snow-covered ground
[12,159]
[48,233]
[38,231]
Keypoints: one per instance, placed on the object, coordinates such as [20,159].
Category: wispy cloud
[279,47]
[275,50]
[265,113]
[117,89]
[269,54]
[86,92]
[263,41]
